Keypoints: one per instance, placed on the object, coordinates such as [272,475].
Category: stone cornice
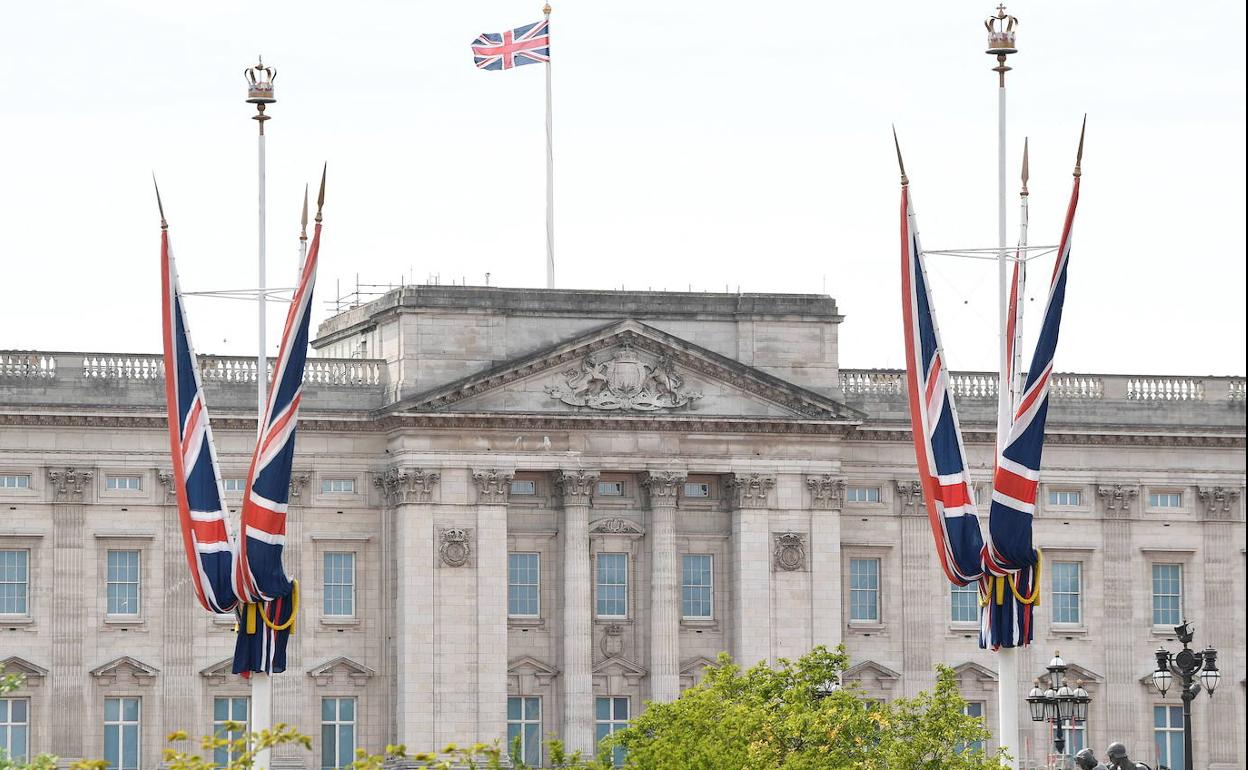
[1089,438]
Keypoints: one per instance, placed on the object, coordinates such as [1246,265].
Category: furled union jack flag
[529,44]
[196,477]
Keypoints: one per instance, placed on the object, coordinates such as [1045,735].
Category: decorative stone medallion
[612,643]
[624,382]
[455,548]
[790,552]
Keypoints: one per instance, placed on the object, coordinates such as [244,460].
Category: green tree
[777,718]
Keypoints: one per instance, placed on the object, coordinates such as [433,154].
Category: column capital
[576,487]
[399,485]
[69,485]
[827,491]
[911,494]
[493,486]
[1219,501]
[663,487]
[1118,499]
[166,480]
[750,490]
[298,480]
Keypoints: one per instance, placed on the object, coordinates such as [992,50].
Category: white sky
[704,144]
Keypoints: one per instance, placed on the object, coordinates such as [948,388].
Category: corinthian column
[69,491]
[493,488]
[918,594]
[1121,689]
[1221,516]
[827,498]
[750,494]
[179,608]
[576,488]
[663,487]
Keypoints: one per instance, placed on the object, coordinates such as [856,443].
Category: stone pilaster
[663,488]
[408,540]
[493,487]
[1221,515]
[70,489]
[575,489]
[288,689]
[178,612]
[918,596]
[750,495]
[1121,667]
[827,497]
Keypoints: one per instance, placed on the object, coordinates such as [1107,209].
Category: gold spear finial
[320,198]
[163,224]
[1079,156]
[1026,172]
[303,220]
[900,163]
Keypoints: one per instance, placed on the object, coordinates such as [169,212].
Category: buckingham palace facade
[531,511]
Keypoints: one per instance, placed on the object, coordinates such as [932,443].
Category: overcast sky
[697,144]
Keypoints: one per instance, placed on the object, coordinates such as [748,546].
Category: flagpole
[1001,44]
[260,93]
[550,173]
[303,237]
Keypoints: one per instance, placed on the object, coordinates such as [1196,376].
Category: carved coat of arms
[623,382]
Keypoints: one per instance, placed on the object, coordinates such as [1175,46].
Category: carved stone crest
[455,548]
[790,552]
[615,527]
[624,382]
[612,643]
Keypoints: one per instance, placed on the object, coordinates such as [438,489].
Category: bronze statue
[1086,760]
[1118,759]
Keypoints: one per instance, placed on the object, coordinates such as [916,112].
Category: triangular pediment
[869,668]
[119,668]
[1075,672]
[352,669]
[694,667]
[528,665]
[972,669]
[28,670]
[628,368]
[617,665]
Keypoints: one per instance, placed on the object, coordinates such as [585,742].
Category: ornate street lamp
[1194,669]
[1059,703]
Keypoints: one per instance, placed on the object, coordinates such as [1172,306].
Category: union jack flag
[196,474]
[529,44]
[947,489]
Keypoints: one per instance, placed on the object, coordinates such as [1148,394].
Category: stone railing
[119,368]
[1074,387]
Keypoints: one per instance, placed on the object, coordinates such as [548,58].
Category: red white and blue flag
[196,475]
[529,44]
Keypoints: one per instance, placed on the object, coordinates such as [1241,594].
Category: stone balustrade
[1075,387]
[123,367]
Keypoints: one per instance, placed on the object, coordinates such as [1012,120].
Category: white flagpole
[1020,289]
[550,175]
[260,93]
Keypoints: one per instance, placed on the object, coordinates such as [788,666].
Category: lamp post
[1194,669]
[1058,703]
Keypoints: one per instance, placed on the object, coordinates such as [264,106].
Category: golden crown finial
[1001,35]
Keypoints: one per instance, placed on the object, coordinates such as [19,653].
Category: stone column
[917,591]
[493,487]
[1122,688]
[576,489]
[288,705]
[1221,515]
[663,487]
[827,497]
[178,611]
[70,487]
[406,493]
[750,495]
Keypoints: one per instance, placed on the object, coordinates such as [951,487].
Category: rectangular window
[1076,735]
[14,481]
[234,485]
[610,716]
[1067,590]
[338,486]
[121,733]
[14,728]
[964,603]
[131,483]
[337,732]
[123,582]
[524,585]
[339,596]
[972,709]
[864,590]
[697,489]
[524,487]
[1165,500]
[862,495]
[1168,735]
[1065,497]
[1167,594]
[224,711]
[14,582]
[610,488]
[524,721]
[696,586]
[612,585]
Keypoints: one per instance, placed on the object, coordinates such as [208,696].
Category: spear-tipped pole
[901,164]
[163,224]
[320,196]
[303,233]
[1083,129]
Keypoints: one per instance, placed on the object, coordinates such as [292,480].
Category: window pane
[329,748]
[129,709]
[130,746]
[1167,594]
[112,745]
[602,709]
[346,709]
[533,744]
[864,575]
[611,488]
[696,489]
[514,709]
[524,487]
[522,584]
[964,603]
[339,593]
[612,584]
[346,744]
[1066,589]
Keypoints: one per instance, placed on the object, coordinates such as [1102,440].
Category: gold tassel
[251,618]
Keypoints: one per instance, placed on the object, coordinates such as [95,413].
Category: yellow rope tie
[251,618]
[294,611]
[1035,593]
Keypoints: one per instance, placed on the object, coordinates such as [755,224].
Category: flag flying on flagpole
[529,44]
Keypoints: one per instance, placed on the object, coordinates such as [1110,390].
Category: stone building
[534,510]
